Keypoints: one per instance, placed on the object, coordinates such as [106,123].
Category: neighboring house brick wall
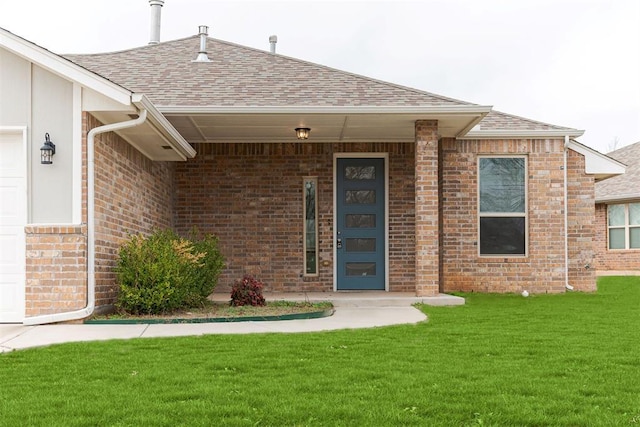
[56,269]
[543,270]
[581,225]
[617,260]
[250,196]
[133,195]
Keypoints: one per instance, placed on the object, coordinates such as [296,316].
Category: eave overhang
[624,198]
[596,163]
[522,134]
[216,124]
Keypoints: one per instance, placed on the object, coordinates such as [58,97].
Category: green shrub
[206,277]
[247,291]
[164,272]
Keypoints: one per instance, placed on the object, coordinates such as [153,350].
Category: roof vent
[202,55]
[272,41]
[156,9]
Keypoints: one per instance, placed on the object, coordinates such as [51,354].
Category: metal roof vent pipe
[203,31]
[272,41]
[156,10]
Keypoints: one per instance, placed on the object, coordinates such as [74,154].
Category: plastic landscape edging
[153,321]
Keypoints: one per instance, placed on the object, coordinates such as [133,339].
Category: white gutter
[91,278]
[435,110]
[566,218]
[523,133]
[164,127]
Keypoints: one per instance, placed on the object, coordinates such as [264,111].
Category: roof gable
[113,101]
[63,67]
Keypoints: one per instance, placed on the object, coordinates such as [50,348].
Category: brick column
[426,187]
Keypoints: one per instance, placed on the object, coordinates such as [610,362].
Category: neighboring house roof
[626,186]
[239,76]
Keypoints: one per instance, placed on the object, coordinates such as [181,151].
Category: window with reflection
[623,221]
[310,185]
[502,205]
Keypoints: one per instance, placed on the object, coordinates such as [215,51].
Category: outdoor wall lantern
[47,151]
[303,133]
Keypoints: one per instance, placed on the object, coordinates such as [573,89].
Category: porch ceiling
[168,131]
[357,125]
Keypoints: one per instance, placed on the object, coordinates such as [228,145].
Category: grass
[548,360]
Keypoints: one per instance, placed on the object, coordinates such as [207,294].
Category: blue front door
[360,236]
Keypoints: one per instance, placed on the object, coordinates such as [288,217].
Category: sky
[573,63]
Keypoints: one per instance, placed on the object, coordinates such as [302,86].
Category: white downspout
[91,238]
[566,218]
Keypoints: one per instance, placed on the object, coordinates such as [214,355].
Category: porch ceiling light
[303,133]
[47,151]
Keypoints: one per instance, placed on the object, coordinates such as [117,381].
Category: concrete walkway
[352,310]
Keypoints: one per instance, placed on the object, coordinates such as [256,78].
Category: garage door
[13,214]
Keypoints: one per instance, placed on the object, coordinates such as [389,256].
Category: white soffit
[327,124]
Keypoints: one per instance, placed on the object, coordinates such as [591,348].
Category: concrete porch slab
[358,298]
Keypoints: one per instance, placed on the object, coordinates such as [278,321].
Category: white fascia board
[63,67]
[596,163]
[428,110]
[173,137]
[513,134]
[619,199]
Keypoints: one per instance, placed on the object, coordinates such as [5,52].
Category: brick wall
[250,196]
[56,269]
[620,261]
[543,269]
[133,195]
[581,224]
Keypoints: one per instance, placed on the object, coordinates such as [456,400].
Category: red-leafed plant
[247,291]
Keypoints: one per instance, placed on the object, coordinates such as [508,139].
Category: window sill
[502,259]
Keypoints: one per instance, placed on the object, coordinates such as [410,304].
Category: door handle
[339,243]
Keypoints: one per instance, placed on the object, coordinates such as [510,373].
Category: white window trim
[504,214]
[626,227]
[305,180]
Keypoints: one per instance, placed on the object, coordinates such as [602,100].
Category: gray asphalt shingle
[627,185]
[242,76]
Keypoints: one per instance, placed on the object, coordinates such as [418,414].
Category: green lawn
[571,359]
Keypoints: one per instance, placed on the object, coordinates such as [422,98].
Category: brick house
[618,216]
[393,189]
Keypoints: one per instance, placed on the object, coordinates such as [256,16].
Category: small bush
[164,272]
[206,277]
[247,291]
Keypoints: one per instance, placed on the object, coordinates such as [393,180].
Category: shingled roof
[243,76]
[240,76]
[627,185]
